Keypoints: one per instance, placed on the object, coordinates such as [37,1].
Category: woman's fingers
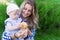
[21,34]
[29,32]
[17,34]
[24,34]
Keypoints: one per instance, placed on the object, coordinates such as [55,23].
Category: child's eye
[16,14]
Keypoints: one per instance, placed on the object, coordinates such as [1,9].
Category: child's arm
[22,33]
[10,27]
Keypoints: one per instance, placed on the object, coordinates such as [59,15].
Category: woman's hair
[33,18]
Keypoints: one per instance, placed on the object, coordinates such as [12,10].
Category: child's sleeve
[6,24]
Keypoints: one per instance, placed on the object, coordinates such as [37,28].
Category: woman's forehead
[28,6]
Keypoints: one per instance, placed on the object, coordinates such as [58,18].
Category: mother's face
[27,10]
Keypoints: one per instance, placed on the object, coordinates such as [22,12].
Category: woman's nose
[26,11]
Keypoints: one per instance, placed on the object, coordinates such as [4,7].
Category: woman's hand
[18,35]
[21,34]
[29,32]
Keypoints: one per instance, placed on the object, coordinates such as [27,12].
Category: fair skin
[14,14]
[26,12]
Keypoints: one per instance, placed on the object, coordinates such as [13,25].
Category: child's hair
[11,7]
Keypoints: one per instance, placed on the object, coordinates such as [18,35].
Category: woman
[28,14]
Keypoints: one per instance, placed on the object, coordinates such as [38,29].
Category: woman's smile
[26,11]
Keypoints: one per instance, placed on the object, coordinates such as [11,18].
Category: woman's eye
[29,10]
[25,9]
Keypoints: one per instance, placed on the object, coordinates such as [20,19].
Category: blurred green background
[49,19]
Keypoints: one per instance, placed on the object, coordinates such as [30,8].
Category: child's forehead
[14,11]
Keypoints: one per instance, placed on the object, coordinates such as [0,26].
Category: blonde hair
[33,18]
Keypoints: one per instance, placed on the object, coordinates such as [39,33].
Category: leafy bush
[49,14]
[2,14]
[18,2]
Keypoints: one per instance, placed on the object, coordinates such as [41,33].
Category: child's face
[14,14]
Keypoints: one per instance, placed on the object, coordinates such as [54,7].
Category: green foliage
[51,35]
[18,2]
[2,14]
[49,19]
[49,14]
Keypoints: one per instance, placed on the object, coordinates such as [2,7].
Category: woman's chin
[24,16]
